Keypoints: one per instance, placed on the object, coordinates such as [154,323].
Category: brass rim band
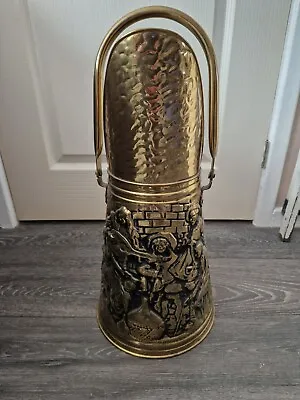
[175,183]
[164,349]
[198,32]
[157,193]
[178,347]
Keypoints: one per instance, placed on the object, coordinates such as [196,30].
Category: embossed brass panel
[156,298]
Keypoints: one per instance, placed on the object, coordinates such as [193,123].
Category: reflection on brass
[156,298]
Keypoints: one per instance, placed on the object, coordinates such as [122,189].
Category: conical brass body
[156,298]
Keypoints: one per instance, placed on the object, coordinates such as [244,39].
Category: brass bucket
[156,298]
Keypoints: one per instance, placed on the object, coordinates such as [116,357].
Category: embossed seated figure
[126,227]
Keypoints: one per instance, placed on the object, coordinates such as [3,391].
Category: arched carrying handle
[200,34]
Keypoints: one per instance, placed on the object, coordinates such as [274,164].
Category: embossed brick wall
[173,217]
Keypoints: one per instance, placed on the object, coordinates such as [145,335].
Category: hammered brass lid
[153,108]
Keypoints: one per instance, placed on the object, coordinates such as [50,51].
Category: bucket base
[164,349]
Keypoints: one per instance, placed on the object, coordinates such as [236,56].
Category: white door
[47,53]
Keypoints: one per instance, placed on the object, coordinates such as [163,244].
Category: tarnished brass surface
[156,296]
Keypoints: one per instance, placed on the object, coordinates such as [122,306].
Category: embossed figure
[196,229]
[161,247]
[123,223]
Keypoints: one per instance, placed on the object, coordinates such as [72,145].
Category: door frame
[8,218]
[293,205]
[267,214]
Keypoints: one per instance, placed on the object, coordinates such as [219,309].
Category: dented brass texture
[156,298]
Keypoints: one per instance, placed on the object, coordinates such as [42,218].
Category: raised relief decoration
[154,284]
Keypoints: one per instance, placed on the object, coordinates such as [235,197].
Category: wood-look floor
[51,348]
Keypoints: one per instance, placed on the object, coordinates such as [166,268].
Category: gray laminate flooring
[51,348]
